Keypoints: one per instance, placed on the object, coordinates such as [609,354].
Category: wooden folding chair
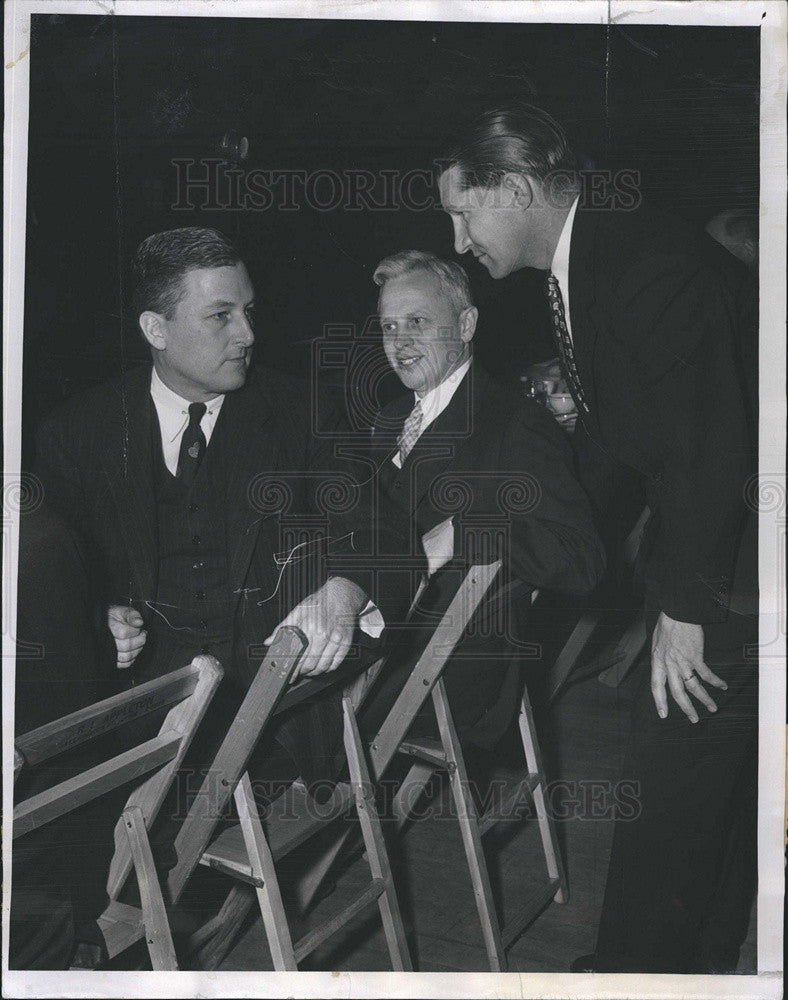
[445,753]
[248,851]
[430,755]
[189,691]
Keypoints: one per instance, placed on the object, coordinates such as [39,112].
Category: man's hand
[547,379]
[677,658]
[125,624]
[327,618]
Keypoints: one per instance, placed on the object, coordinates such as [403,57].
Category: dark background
[114,100]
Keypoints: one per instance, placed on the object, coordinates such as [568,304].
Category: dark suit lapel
[584,313]
[127,458]
[246,440]
[444,441]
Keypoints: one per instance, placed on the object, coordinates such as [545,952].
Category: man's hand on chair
[677,660]
[125,624]
[327,618]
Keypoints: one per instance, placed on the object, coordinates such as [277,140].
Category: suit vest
[194,607]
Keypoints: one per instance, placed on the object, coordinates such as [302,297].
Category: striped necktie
[566,354]
[410,432]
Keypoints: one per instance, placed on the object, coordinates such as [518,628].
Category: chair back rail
[428,670]
[88,723]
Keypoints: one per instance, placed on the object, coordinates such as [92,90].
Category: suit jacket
[96,460]
[664,326]
[500,468]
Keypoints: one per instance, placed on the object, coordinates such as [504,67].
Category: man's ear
[521,187]
[468,318]
[153,329]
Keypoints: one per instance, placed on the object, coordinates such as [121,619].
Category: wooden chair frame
[248,851]
[189,691]
[230,852]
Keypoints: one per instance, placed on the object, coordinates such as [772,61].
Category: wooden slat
[307,944]
[429,751]
[46,806]
[87,723]
[292,820]
[502,812]
[157,927]
[529,911]
[410,791]
[181,721]
[269,897]
[469,830]
[121,926]
[533,758]
[568,657]
[428,669]
[233,755]
[377,855]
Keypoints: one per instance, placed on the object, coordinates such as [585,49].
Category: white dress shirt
[434,402]
[560,264]
[173,413]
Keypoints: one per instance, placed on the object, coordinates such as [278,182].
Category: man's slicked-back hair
[511,138]
[162,260]
[452,277]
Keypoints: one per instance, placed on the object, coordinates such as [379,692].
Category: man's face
[206,347]
[490,222]
[423,337]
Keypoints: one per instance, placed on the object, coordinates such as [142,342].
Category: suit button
[200,595]
[193,508]
[203,624]
[197,565]
[206,648]
[196,539]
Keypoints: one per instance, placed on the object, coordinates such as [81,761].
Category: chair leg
[469,828]
[567,658]
[154,915]
[627,650]
[375,844]
[210,944]
[410,791]
[533,757]
[268,895]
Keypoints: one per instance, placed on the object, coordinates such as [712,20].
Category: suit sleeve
[685,350]
[58,470]
[358,531]
[553,542]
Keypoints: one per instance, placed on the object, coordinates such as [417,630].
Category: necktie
[192,445]
[410,432]
[566,354]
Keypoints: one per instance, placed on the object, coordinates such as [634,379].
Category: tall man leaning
[650,321]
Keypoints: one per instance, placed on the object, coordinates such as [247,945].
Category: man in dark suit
[472,473]
[194,489]
[652,323]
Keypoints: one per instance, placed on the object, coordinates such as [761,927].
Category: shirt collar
[173,410]
[560,264]
[434,402]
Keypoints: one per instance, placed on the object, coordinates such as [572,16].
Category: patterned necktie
[566,354]
[410,432]
[192,445]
